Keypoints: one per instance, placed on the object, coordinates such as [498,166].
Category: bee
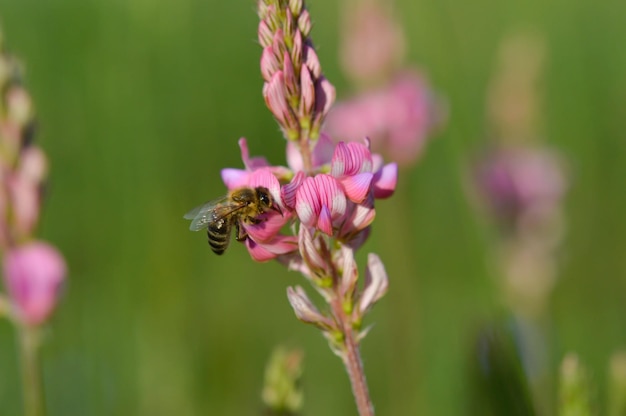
[220,215]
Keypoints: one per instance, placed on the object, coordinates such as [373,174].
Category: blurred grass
[140,105]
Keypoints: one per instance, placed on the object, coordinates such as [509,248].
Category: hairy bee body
[221,215]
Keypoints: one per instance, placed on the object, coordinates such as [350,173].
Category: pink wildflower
[518,182]
[397,118]
[33,276]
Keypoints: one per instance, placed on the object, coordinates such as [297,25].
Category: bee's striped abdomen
[219,235]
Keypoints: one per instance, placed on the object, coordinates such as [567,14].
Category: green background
[140,104]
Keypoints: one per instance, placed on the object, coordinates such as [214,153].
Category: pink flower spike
[33,275]
[376,283]
[385,181]
[321,191]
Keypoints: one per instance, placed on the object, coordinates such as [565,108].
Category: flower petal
[385,181]
[250,163]
[289,191]
[235,178]
[268,251]
[357,187]
[310,253]
[264,177]
[350,159]
[268,228]
[324,221]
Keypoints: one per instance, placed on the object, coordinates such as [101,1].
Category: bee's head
[266,201]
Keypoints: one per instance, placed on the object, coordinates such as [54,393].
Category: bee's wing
[211,211]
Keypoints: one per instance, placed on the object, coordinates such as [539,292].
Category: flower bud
[304,308]
[376,283]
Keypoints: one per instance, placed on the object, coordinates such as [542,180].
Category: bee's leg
[253,220]
[240,232]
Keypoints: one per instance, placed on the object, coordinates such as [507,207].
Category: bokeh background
[140,104]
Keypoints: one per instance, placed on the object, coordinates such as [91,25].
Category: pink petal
[268,228]
[275,95]
[294,157]
[258,252]
[361,216]
[324,96]
[289,190]
[264,177]
[309,251]
[323,151]
[324,221]
[317,192]
[267,251]
[235,178]
[250,163]
[269,63]
[357,187]
[307,98]
[350,159]
[385,180]
[312,61]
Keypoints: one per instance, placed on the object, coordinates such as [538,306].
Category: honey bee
[220,215]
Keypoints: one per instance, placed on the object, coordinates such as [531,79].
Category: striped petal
[357,187]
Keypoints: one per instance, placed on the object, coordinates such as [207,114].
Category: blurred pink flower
[33,275]
[373,44]
[517,182]
[397,118]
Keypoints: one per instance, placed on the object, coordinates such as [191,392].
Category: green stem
[31,377]
[352,360]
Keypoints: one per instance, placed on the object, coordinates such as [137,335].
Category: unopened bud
[376,283]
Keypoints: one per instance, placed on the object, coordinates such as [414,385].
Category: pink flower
[33,275]
[264,241]
[397,118]
[320,201]
[345,198]
[516,181]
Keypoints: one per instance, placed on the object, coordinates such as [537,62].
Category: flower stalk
[33,270]
[325,195]
[31,377]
